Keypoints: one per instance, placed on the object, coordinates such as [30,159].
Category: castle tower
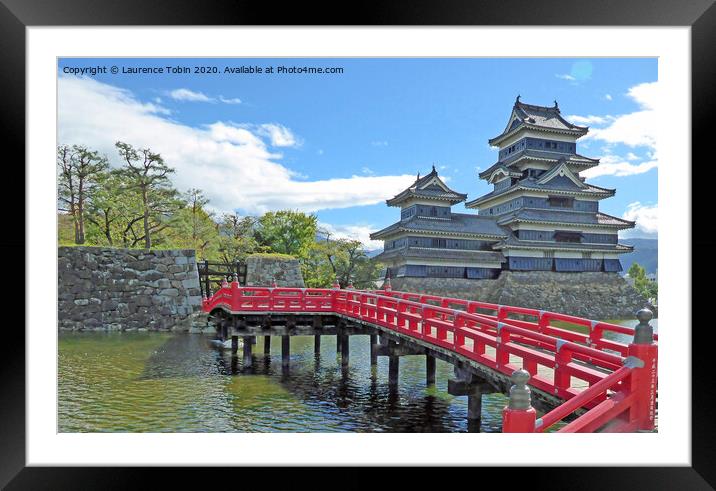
[431,241]
[550,214]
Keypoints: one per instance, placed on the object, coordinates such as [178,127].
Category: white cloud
[227,100]
[631,156]
[379,143]
[231,163]
[353,232]
[646,217]
[186,95]
[613,165]
[565,76]
[189,96]
[591,119]
[608,97]
[634,129]
[280,135]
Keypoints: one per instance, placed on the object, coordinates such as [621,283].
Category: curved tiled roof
[433,253]
[534,244]
[564,216]
[575,159]
[532,184]
[459,223]
[421,189]
[539,117]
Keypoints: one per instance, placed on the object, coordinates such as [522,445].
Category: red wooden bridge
[588,380]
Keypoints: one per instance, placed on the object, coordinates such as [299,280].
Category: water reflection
[159,382]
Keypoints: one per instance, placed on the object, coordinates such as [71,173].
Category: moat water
[164,382]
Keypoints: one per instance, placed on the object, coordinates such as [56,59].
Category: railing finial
[520,394]
[224,283]
[350,285]
[643,332]
[336,285]
[387,285]
[274,284]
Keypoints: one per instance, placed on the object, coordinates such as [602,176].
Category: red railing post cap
[520,394]
[643,332]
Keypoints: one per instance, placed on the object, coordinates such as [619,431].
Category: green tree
[147,172]
[237,238]
[342,259]
[80,169]
[287,232]
[193,227]
[642,284]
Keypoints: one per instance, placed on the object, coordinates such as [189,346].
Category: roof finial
[556,106]
[518,99]
[418,176]
[433,167]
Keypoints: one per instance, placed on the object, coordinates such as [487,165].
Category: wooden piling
[267,345]
[430,367]
[234,344]
[317,344]
[345,351]
[393,369]
[247,352]
[373,353]
[285,350]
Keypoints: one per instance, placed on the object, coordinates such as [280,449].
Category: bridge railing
[551,357]
[541,320]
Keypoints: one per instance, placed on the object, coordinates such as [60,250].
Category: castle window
[561,236]
[560,201]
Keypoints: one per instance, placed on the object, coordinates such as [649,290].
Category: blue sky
[340,144]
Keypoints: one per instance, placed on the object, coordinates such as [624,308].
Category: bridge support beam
[247,352]
[317,344]
[234,344]
[467,384]
[393,370]
[430,367]
[285,351]
[267,345]
[345,350]
[373,353]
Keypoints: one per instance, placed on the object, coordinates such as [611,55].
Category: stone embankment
[127,289]
[598,296]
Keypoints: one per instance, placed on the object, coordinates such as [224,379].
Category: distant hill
[373,253]
[646,253]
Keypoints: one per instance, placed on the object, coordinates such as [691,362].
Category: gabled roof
[429,187]
[541,215]
[561,170]
[560,186]
[454,254]
[513,242]
[573,159]
[503,170]
[459,224]
[541,118]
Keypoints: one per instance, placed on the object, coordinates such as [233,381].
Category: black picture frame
[16,15]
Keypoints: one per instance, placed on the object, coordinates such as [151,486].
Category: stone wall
[599,296]
[127,289]
[263,270]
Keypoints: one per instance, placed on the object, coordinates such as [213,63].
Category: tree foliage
[80,169]
[148,174]
[642,284]
[287,232]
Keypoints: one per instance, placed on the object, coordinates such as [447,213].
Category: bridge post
[317,344]
[345,350]
[519,416]
[247,351]
[285,351]
[430,366]
[643,379]
[373,352]
[474,411]
[393,366]
[267,345]
[234,344]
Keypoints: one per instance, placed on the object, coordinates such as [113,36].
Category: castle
[540,215]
